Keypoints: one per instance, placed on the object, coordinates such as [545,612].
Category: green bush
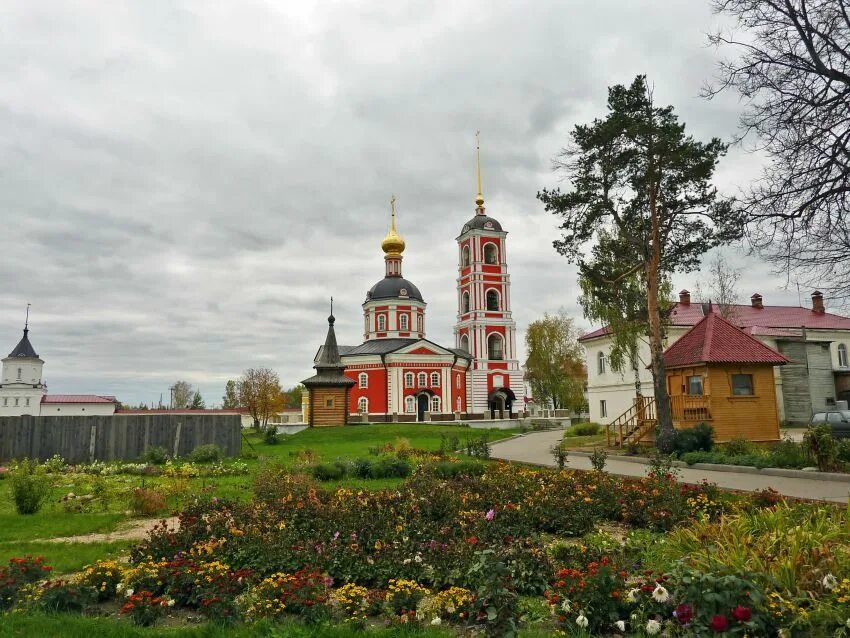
[843,452]
[790,454]
[30,486]
[818,442]
[270,436]
[328,471]
[209,453]
[699,438]
[361,468]
[449,470]
[155,455]
[583,429]
[738,446]
[390,467]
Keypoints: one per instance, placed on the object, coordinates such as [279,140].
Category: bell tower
[485,327]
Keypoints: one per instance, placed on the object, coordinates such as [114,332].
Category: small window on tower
[464,343]
[491,254]
[382,323]
[19,373]
[465,256]
[492,300]
[495,352]
[457,381]
[465,302]
[402,323]
[421,321]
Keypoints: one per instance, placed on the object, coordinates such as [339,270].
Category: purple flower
[491,515]
[336,535]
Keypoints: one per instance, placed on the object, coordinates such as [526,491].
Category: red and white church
[400,375]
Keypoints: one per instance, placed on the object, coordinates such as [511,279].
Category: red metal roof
[715,340]
[77,398]
[746,316]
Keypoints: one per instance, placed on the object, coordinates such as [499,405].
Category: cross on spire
[479,199]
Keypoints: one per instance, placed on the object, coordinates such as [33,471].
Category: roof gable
[24,349]
[714,340]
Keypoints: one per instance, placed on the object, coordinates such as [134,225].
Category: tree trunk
[666,433]
[635,360]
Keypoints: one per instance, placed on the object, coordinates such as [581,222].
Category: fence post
[177,438]
[92,440]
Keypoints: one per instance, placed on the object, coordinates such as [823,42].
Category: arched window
[363,405]
[465,253]
[408,380]
[458,403]
[364,380]
[464,343]
[842,355]
[435,404]
[435,379]
[465,303]
[600,359]
[492,300]
[366,324]
[495,352]
[491,254]
[402,323]
[409,405]
[382,322]
[457,381]
[423,379]
[20,372]
[420,320]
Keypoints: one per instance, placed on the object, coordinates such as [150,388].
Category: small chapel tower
[329,387]
[21,384]
[485,328]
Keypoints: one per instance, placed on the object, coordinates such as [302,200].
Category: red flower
[684,613]
[742,614]
[719,623]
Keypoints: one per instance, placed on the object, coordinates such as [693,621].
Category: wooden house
[328,389]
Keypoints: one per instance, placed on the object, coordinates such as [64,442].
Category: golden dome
[393,243]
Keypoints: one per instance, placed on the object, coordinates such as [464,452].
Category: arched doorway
[500,402]
[422,405]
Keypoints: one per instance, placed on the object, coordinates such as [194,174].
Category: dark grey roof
[24,348]
[386,346]
[330,370]
[481,222]
[461,353]
[391,288]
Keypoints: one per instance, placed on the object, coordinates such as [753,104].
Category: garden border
[741,469]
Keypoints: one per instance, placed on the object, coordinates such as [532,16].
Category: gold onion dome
[393,243]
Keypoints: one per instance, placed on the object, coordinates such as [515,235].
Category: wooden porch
[638,422]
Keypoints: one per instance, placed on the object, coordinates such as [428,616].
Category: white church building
[23,391]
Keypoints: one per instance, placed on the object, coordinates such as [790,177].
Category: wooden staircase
[633,424]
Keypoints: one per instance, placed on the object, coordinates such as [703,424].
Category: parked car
[838,419]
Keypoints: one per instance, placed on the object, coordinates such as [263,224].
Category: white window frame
[28,402]
[462,339]
[501,339]
[363,379]
[17,401]
[382,323]
[403,323]
[842,355]
[20,373]
[363,405]
[601,364]
[420,321]
[464,303]
[410,404]
[495,248]
[422,380]
[458,403]
[408,379]
[435,405]
[498,296]
[603,408]
[457,381]
[435,379]
[465,256]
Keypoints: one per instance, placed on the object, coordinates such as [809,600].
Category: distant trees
[793,71]
[260,393]
[292,397]
[555,364]
[181,395]
[722,287]
[198,401]
[639,179]
[231,395]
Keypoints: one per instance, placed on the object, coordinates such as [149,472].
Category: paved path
[133,531]
[535,448]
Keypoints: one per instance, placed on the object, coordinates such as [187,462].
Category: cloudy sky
[184,184]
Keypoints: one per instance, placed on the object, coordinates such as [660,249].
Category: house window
[600,363]
[498,381]
[742,385]
[422,380]
[28,402]
[465,253]
[435,405]
[402,323]
[408,380]
[464,343]
[842,355]
[603,408]
[491,254]
[435,379]
[363,405]
[465,304]
[382,323]
[364,380]
[457,402]
[409,405]
[494,347]
[329,403]
[366,324]
[695,386]
[17,401]
[20,371]
[457,381]
[492,300]
[420,320]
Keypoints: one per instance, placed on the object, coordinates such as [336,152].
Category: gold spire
[393,243]
[479,199]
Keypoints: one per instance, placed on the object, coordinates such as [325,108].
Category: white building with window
[24,392]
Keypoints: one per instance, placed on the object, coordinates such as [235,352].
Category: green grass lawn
[65,558]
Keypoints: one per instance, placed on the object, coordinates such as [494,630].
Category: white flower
[566,605]
[406,561]
[829,582]
[417,558]
[621,625]
[436,621]
[632,595]
[128,593]
[582,622]
[653,627]
[119,588]
[847,624]
[171,602]
[660,595]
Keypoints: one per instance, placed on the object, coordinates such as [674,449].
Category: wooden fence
[120,437]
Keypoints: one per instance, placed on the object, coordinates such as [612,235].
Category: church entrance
[422,402]
[500,403]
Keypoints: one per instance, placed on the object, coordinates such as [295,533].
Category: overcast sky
[184,184]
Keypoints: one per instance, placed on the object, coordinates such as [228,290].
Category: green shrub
[30,486]
[390,467]
[843,451]
[738,446]
[449,469]
[209,453]
[583,429]
[66,596]
[818,442]
[270,436]
[328,471]
[155,455]
[361,468]
[598,459]
[788,453]
[699,438]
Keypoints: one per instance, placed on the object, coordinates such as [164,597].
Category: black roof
[330,370]
[24,348]
[392,287]
[481,222]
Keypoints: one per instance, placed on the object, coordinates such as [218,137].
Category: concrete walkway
[535,448]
